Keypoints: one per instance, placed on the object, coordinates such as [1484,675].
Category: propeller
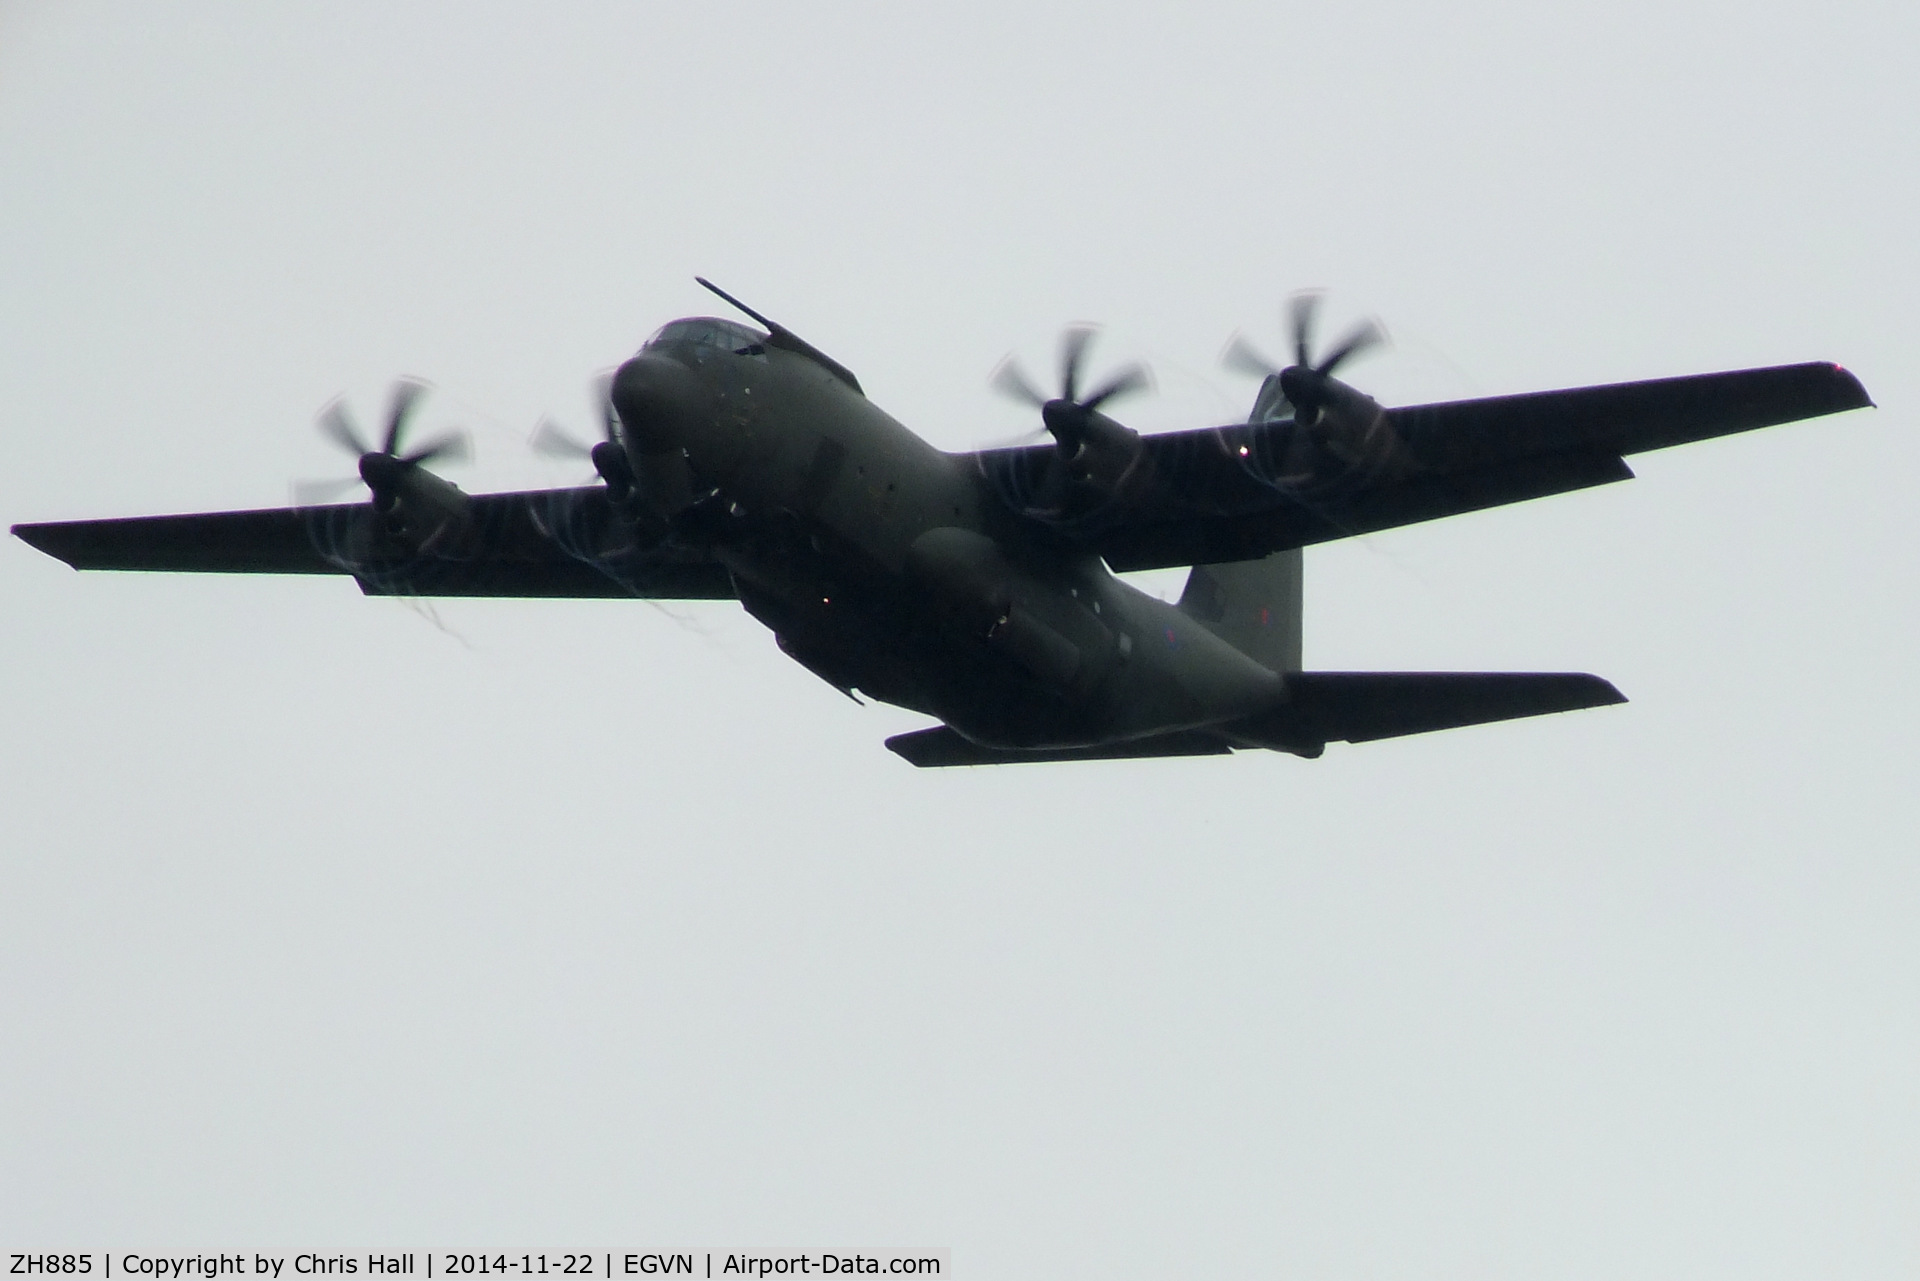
[1303,383]
[608,455]
[385,469]
[1069,415]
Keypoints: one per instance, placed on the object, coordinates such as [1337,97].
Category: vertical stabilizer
[1253,605]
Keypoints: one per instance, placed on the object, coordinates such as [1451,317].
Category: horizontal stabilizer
[939,746]
[1358,707]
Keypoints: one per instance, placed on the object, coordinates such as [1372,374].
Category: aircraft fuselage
[884,565]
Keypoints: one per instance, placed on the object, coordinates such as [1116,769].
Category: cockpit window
[706,331]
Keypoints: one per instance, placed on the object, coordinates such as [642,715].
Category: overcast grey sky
[328,922]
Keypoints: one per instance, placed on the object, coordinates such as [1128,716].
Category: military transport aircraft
[979,588]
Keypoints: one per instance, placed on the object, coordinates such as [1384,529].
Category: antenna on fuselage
[780,336]
[710,287]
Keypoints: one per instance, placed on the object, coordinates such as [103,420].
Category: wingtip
[1606,693]
[917,748]
[1856,390]
[44,538]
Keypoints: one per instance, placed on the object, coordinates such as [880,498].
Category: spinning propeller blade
[552,440]
[337,425]
[1303,377]
[608,455]
[1242,357]
[1011,380]
[406,393]
[1365,336]
[1073,418]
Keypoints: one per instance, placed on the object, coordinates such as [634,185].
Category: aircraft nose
[658,401]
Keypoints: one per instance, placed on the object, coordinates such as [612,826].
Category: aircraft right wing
[1243,491]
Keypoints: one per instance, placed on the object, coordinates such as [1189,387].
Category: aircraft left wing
[1243,491]
[539,543]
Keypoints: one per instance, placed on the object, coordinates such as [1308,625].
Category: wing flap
[1206,539]
[555,580]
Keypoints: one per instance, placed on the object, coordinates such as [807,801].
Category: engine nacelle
[1353,425]
[1096,451]
[616,469]
[409,498]
[1106,455]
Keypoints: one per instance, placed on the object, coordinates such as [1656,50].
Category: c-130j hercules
[980,588]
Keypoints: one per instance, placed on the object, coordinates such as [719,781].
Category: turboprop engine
[1091,449]
[1096,451]
[1352,425]
[411,501]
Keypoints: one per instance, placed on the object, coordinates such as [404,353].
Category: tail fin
[1362,706]
[1253,605]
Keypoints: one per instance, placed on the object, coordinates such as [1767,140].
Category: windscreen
[708,331]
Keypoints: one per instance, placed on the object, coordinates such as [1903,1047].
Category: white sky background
[587,923]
